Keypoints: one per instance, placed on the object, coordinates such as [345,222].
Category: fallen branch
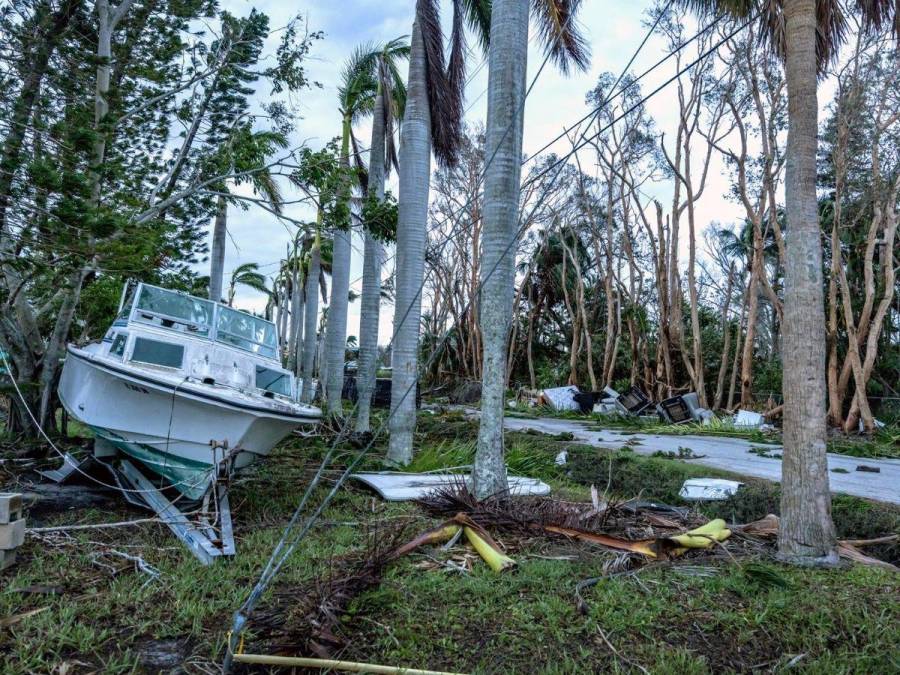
[322,664]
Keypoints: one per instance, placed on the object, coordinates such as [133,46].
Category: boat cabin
[198,340]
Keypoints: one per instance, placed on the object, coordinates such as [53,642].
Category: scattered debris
[848,548]
[398,487]
[763,451]
[868,469]
[12,527]
[560,398]
[748,418]
[708,489]
[674,410]
[683,453]
[633,401]
[877,423]
[561,458]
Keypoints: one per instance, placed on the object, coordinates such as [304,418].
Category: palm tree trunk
[217,257]
[415,175]
[296,302]
[507,62]
[807,532]
[311,319]
[370,303]
[336,330]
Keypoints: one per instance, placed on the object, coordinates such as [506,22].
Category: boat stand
[210,538]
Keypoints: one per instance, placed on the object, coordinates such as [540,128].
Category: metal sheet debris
[748,418]
[560,398]
[708,489]
[400,487]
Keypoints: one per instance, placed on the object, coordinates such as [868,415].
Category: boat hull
[174,429]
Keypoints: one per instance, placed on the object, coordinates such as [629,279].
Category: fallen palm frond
[847,548]
[487,548]
[522,514]
[850,552]
[581,522]
[306,619]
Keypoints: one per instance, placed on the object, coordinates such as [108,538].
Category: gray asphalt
[730,454]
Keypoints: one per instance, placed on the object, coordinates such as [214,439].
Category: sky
[613,29]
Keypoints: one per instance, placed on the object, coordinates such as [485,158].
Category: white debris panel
[401,487]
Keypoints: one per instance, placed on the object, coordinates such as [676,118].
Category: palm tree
[253,149]
[431,122]
[807,35]
[389,102]
[507,62]
[357,99]
[310,318]
[247,275]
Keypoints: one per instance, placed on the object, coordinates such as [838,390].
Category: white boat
[186,386]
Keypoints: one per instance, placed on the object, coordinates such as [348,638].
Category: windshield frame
[211,332]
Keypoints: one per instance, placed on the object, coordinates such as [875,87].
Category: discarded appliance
[699,413]
[633,401]
[708,489]
[189,390]
[748,418]
[560,398]
[674,410]
[399,487]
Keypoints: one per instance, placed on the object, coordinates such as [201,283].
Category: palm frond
[356,93]
[478,16]
[362,172]
[879,14]
[393,90]
[445,127]
[558,27]
[265,184]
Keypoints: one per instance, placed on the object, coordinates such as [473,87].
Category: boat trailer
[208,537]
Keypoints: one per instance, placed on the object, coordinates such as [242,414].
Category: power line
[283,549]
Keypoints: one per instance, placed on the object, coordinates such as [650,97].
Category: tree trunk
[738,350]
[807,534]
[311,319]
[217,257]
[370,303]
[726,341]
[507,61]
[756,269]
[296,303]
[415,176]
[336,330]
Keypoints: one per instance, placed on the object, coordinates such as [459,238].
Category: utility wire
[284,549]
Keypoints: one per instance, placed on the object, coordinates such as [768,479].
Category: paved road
[730,454]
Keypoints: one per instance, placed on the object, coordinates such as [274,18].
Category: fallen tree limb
[350,666]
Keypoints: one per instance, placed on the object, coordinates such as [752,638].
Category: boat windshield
[276,381]
[173,310]
[246,332]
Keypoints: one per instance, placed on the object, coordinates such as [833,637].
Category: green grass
[736,617]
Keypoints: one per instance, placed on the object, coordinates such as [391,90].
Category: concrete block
[12,535]
[10,507]
[7,558]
